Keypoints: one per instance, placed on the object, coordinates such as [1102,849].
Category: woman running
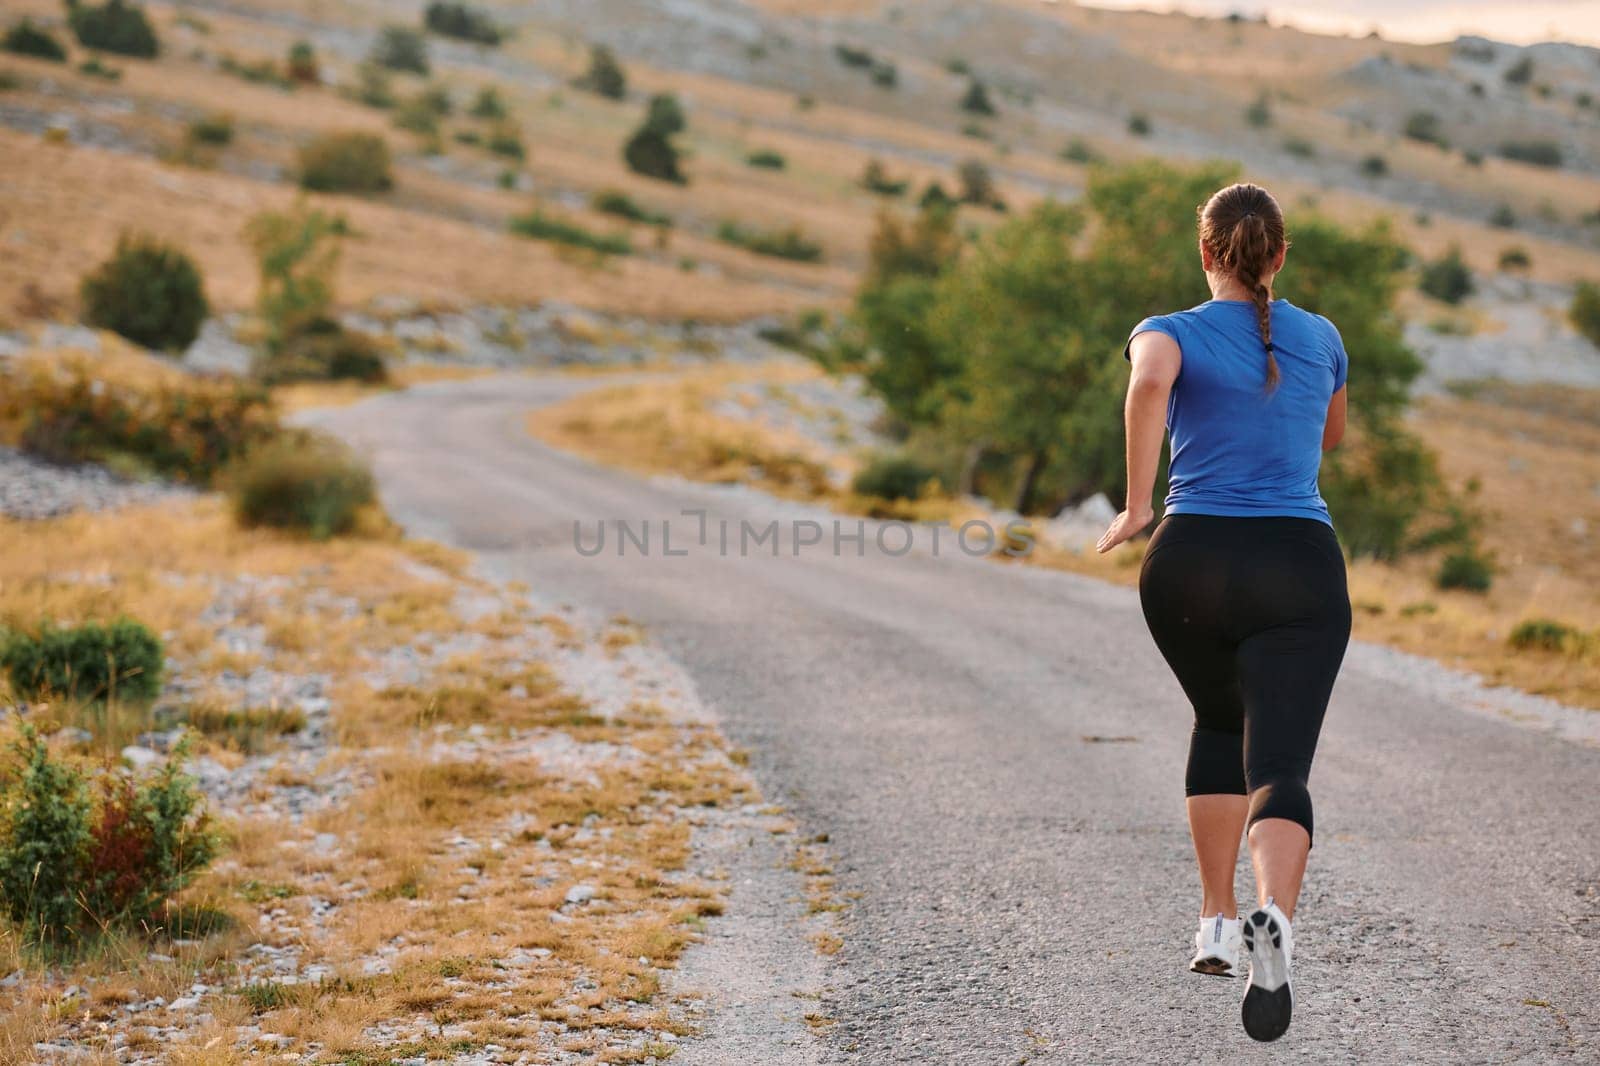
[1243,583]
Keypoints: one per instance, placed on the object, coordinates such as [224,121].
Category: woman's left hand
[1122,527]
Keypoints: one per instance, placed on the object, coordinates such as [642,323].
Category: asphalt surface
[996,754]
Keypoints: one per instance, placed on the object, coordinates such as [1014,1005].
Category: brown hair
[1242,227]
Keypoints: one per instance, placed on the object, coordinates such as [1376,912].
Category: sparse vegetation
[489,104]
[895,476]
[1584,312]
[605,75]
[541,225]
[1374,166]
[214,129]
[1545,634]
[786,243]
[505,140]
[26,39]
[1079,150]
[1539,153]
[875,179]
[373,87]
[301,482]
[1515,258]
[149,292]
[1300,148]
[1520,72]
[618,203]
[1467,569]
[766,159]
[462,21]
[302,65]
[1503,217]
[115,26]
[346,162]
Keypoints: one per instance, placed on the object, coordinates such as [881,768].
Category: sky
[1517,21]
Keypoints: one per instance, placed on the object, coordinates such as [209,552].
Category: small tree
[114,26]
[302,66]
[1585,311]
[400,48]
[462,22]
[297,253]
[650,151]
[149,292]
[1259,113]
[605,75]
[976,101]
[26,39]
[1424,126]
[1520,72]
[1447,278]
[1139,125]
[488,104]
[977,184]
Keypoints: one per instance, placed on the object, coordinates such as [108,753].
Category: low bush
[1259,113]
[462,22]
[96,69]
[1139,125]
[650,151]
[1466,568]
[1503,217]
[1544,634]
[373,87]
[1374,166]
[618,203]
[149,292]
[875,179]
[1447,278]
[541,226]
[1536,153]
[211,129]
[301,482]
[1424,126]
[114,26]
[851,56]
[172,424]
[346,162]
[976,99]
[1584,313]
[258,71]
[323,350]
[88,663]
[505,140]
[400,48]
[895,477]
[83,851]
[1300,148]
[1079,150]
[766,159]
[26,39]
[488,104]
[302,64]
[1515,258]
[789,243]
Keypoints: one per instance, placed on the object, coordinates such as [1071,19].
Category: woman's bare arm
[1156,360]
[1333,429]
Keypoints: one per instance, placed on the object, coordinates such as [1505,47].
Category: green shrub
[1466,568]
[211,129]
[488,104]
[538,225]
[1424,126]
[1139,125]
[9,81]
[935,197]
[302,64]
[1374,166]
[766,159]
[1544,634]
[894,477]
[177,426]
[297,256]
[976,100]
[1300,148]
[400,48]
[1259,113]
[505,140]
[977,184]
[1079,150]
[1447,278]
[875,178]
[1584,313]
[89,663]
[1536,153]
[82,853]
[323,350]
[616,202]
[96,69]
[346,162]
[851,56]
[462,22]
[506,179]
[789,243]
[301,482]
[1521,72]
[260,71]
[418,115]
[114,26]
[26,39]
[605,75]
[885,75]
[147,291]
[1515,258]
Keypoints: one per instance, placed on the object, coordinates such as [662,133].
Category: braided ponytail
[1242,227]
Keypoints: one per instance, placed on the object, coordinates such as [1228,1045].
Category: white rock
[140,758]
[580,893]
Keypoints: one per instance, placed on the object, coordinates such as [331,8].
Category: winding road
[996,754]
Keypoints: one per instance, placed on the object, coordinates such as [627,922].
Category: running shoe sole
[1269,1001]
[1215,967]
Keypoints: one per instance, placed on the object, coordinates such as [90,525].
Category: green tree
[1585,311]
[651,151]
[976,101]
[1447,278]
[26,39]
[605,75]
[297,253]
[400,48]
[114,26]
[149,292]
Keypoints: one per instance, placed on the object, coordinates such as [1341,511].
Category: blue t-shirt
[1238,449]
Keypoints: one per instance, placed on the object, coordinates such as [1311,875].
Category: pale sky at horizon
[1516,21]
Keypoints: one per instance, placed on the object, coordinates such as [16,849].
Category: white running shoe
[1216,947]
[1269,1001]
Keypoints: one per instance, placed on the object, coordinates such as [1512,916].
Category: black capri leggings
[1253,615]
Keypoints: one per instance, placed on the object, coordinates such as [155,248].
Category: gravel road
[996,755]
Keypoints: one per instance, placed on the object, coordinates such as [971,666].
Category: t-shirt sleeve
[1341,359]
[1153,324]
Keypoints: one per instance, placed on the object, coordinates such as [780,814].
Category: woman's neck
[1227,288]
